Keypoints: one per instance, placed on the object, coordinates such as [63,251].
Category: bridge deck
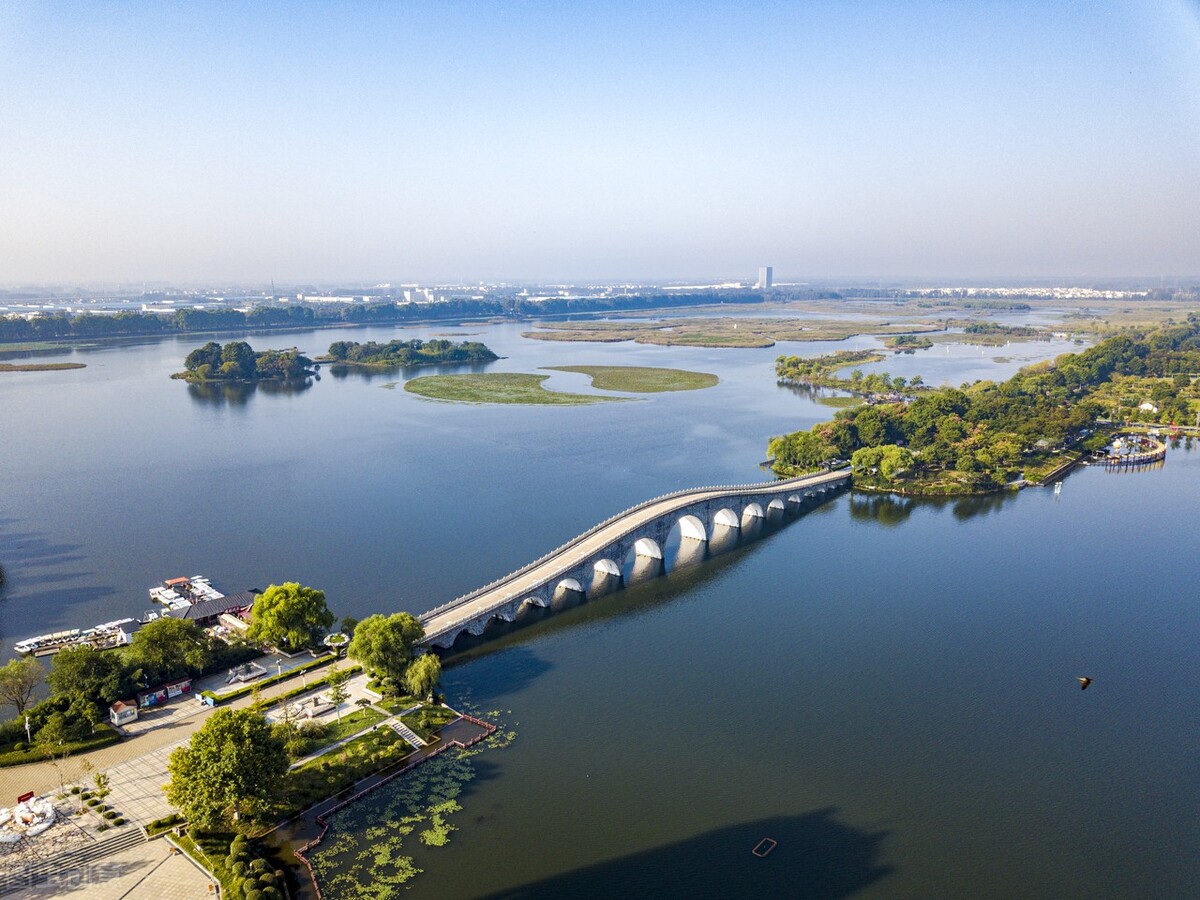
[525,581]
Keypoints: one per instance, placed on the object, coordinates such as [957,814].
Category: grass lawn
[498,387]
[351,723]
[642,379]
[210,849]
[339,769]
[398,704]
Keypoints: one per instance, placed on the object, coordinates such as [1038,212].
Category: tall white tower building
[764,278]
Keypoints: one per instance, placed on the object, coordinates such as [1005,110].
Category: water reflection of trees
[886,509]
[238,393]
[394,373]
[816,394]
[970,507]
[892,509]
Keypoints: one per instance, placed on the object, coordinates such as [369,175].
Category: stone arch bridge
[597,554]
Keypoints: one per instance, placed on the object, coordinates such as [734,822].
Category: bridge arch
[647,547]
[607,568]
[776,505]
[753,511]
[692,528]
[727,518]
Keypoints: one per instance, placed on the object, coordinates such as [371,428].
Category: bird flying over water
[1084,681]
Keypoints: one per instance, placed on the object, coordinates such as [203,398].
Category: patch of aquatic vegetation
[840,402]
[642,379]
[362,858]
[499,387]
[720,332]
[390,386]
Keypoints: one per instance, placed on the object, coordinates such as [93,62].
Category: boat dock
[178,595]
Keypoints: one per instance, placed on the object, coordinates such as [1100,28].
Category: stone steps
[39,871]
[407,733]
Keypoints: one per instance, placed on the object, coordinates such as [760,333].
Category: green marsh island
[642,379]
[525,388]
[39,367]
[498,387]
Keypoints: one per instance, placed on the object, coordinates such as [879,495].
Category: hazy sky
[208,142]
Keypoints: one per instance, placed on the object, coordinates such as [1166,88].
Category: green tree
[97,676]
[101,782]
[243,358]
[208,355]
[337,692]
[423,675]
[52,741]
[872,430]
[232,767]
[384,644]
[801,450]
[289,616]
[19,678]
[895,461]
[866,459]
[169,648]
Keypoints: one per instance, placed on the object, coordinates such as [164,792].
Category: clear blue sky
[407,141]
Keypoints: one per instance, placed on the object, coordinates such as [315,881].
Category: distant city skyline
[544,142]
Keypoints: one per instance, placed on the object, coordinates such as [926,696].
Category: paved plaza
[146,871]
[137,786]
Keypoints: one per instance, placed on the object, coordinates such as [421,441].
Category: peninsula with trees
[990,436]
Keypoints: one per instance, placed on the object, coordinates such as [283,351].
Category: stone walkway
[146,871]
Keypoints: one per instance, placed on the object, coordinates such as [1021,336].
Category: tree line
[62,326]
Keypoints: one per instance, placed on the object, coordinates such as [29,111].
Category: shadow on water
[238,393]
[817,858]
[521,666]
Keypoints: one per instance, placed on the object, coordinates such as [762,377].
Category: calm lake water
[887,688]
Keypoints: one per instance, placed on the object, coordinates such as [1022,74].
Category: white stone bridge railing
[685,497]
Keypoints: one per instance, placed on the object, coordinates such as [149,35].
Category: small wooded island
[238,361]
[986,436]
[396,354]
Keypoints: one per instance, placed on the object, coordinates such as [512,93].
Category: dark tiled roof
[207,609]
